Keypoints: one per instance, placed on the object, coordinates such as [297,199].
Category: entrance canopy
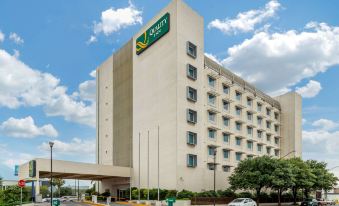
[41,168]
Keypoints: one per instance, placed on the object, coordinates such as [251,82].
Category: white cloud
[93,73]
[311,89]
[26,128]
[21,85]
[16,38]
[16,53]
[275,62]
[246,21]
[325,124]
[113,20]
[75,147]
[92,39]
[2,36]
[213,57]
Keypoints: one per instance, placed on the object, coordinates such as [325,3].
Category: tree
[44,191]
[304,178]
[323,178]
[254,174]
[58,182]
[282,177]
[65,191]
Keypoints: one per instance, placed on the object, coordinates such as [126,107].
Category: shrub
[245,195]
[227,193]
[184,194]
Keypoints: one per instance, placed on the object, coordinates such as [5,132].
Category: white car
[68,198]
[242,202]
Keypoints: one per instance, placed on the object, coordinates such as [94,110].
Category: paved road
[62,204]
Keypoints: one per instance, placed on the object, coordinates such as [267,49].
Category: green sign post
[56,202]
[152,34]
[170,201]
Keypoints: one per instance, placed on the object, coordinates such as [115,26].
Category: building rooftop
[241,82]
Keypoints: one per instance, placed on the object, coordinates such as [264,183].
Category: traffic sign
[21,183]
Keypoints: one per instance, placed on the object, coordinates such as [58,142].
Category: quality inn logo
[152,34]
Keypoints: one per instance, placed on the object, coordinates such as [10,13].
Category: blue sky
[49,50]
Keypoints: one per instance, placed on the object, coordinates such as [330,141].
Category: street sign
[16,170]
[21,183]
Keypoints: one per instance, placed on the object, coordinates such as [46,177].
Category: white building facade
[165,109]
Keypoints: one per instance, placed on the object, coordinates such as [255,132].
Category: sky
[49,51]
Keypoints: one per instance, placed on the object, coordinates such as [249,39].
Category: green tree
[282,177]
[253,174]
[58,182]
[324,179]
[65,191]
[44,191]
[304,178]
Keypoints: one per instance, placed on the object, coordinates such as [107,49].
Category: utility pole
[51,146]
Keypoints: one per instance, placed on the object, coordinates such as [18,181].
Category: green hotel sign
[32,168]
[154,33]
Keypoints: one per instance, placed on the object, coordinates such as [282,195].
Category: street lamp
[51,146]
[293,151]
[214,169]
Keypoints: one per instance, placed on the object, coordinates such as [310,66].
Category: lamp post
[293,151]
[214,169]
[51,146]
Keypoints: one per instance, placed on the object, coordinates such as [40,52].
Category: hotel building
[161,82]
[165,111]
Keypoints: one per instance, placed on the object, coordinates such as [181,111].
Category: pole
[214,170]
[78,190]
[51,145]
[158,164]
[139,171]
[148,165]
[130,164]
[20,195]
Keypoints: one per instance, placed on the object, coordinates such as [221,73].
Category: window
[238,156]
[238,110]
[249,116]
[211,99]
[268,137]
[191,49]
[238,96]
[226,168]
[276,140]
[268,112]
[259,147]
[249,145]
[191,138]
[259,120]
[238,126]
[249,131]
[259,106]
[191,72]
[226,121]
[276,115]
[211,81]
[250,156]
[211,116]
[212,133]
[276,153]
[211,150]
[226,153]
[191,116]
[211,166]
[259,133]
[226,137]
[226,105]
[238,141]
[268,150]
[226,89]
[191,94]
[249,102]
[191,160]
[276,128]
[268,124]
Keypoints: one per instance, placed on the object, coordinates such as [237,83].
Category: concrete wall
[122,105]
[154,104]
[291,120]
[104,78]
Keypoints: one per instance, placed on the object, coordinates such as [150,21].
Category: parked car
[310,202]
[68,198]
[242,202]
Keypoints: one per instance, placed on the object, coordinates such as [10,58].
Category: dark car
[310,202]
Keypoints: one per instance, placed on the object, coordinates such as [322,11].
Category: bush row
[185,194]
